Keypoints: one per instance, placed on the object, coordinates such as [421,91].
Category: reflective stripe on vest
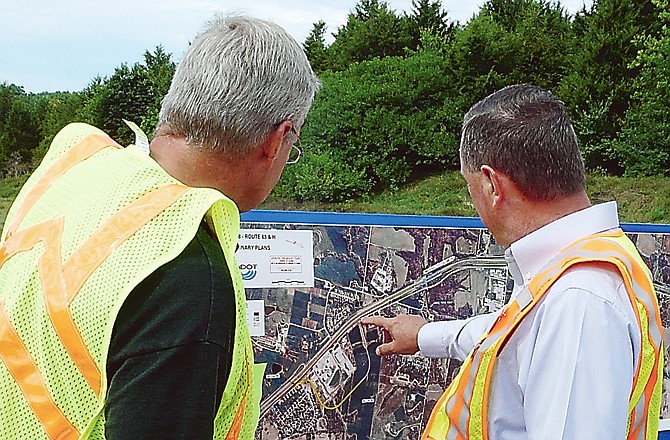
[461,412]
[60,281]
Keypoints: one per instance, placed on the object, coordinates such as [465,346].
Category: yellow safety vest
[461,412]
[90,224]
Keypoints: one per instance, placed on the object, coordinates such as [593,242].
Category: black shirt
[171,348]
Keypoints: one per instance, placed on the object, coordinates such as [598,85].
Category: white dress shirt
[567,371]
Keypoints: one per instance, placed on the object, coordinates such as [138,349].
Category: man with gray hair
[577,351]
[122,310]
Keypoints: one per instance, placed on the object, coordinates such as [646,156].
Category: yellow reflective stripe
[86,148]
[437,425]
[22,367]
[646,381]
[646,350]
[510,317]
[126,222]
[477,429]
[639,288]
[236,425]
[61,282]
[463,410]
[655,400]
[455,402]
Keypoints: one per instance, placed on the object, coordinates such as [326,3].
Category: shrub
[322,177]
[379,120]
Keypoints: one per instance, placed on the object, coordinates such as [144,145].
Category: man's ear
[495,184]
[272,144]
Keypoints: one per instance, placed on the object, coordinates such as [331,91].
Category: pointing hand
[403,331]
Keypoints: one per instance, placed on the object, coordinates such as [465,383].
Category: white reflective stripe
[141,140]
[524,298]
[452,434]
[640,417]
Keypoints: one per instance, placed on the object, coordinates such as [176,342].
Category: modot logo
[249,271]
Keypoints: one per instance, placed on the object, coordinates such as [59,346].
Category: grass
[9,188]
[640,200]
[444,194]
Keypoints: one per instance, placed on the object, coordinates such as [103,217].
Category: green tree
[511,41]
[643,146]
[315,47]
[375,125]
[599,84]
[131,93]
[372,30]
[159,70]
[127,94]
[428,16]
[19,128]
[55,111]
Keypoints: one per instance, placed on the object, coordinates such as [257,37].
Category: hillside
[640,200]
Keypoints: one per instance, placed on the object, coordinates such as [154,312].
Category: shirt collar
[529,254]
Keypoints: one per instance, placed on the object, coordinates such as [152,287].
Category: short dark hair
[524,132]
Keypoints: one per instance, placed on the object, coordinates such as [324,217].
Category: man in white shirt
[566,358]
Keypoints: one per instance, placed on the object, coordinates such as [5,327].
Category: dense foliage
[379,139]
[642,147]
[29,121]
[395,87]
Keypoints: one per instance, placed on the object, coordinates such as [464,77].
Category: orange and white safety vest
[461,412]
[90,224]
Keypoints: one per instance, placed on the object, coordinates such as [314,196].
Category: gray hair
[237,81]
[525,132]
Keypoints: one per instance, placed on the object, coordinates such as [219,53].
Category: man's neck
[206,168]
[175,157]
[533,215]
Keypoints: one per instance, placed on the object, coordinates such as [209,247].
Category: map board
[323,380]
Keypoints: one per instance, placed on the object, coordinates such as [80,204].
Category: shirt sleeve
[168,394]
[577,377]
[453,339]
[171,348]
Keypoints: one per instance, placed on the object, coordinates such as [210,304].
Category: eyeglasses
[296,149]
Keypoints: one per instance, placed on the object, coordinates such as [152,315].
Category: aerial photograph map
[323,380]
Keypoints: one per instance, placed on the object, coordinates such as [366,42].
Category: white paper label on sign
[256,317]
[285,264]
[276,258]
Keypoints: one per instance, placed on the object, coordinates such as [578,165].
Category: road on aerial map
[431,277]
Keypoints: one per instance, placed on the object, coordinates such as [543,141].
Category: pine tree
[372,30]
[428,16]
[315,47]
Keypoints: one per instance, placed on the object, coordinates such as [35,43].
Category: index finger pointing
[379,321]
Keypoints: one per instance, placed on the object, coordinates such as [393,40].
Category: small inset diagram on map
[256,317]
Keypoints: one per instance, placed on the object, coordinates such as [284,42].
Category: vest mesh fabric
[234,392]
[87,196]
